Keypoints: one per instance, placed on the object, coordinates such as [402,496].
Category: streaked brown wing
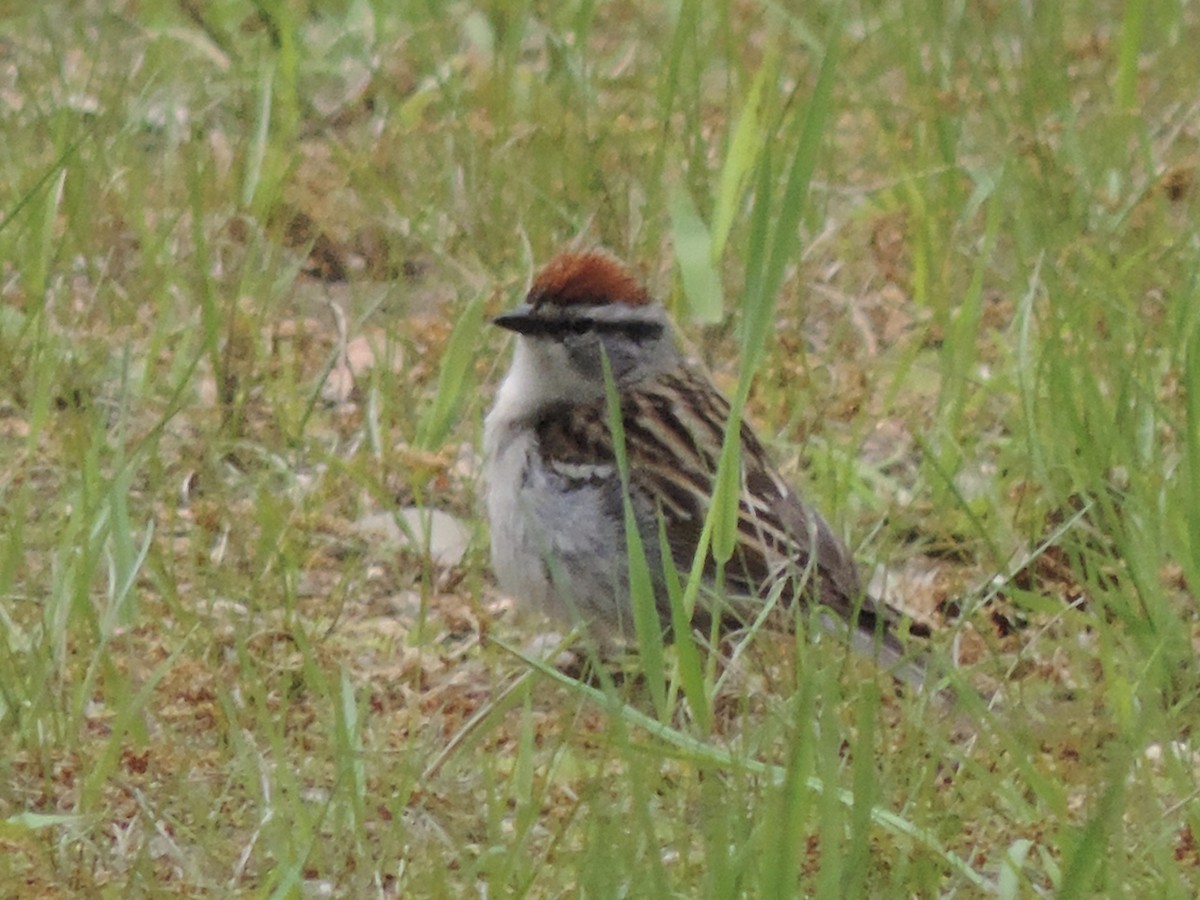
[779,536]
[674,425]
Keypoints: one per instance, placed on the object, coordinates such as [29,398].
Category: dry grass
[247,255]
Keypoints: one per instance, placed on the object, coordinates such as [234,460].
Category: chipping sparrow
[554,495]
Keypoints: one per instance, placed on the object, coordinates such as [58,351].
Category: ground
[247,257]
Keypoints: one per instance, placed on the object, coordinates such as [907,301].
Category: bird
[555,496]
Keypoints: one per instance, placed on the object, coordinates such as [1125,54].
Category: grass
[248,254]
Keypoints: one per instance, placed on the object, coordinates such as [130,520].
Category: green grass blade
[694,254]
[1191,446]
[256,157]
[743,152]
[809,131]
[454,377]
[696,688]
[704,753]
[646,623]
[798,792]
[129,714]
[1133,25]
[1095,847]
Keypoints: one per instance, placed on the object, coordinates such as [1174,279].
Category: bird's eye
[635,331]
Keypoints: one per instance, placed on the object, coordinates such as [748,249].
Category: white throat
[538,377]
[527,386]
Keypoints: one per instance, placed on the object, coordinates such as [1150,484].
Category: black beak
[521,320]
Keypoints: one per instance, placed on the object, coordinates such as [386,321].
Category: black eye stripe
[637,331]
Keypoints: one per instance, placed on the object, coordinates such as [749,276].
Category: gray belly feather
[558,538]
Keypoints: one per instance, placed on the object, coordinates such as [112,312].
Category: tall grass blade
[706,754]
[257,153]
[769,258]
[128,716]
[796,795]
[646,623]
[350,750]
[1191,447]
[1133,25]
[694,253]
[1094,846]
[743,152]
[454,378]
[696,688]
[959,348]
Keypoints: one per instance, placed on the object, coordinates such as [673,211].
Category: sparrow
[555,498]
